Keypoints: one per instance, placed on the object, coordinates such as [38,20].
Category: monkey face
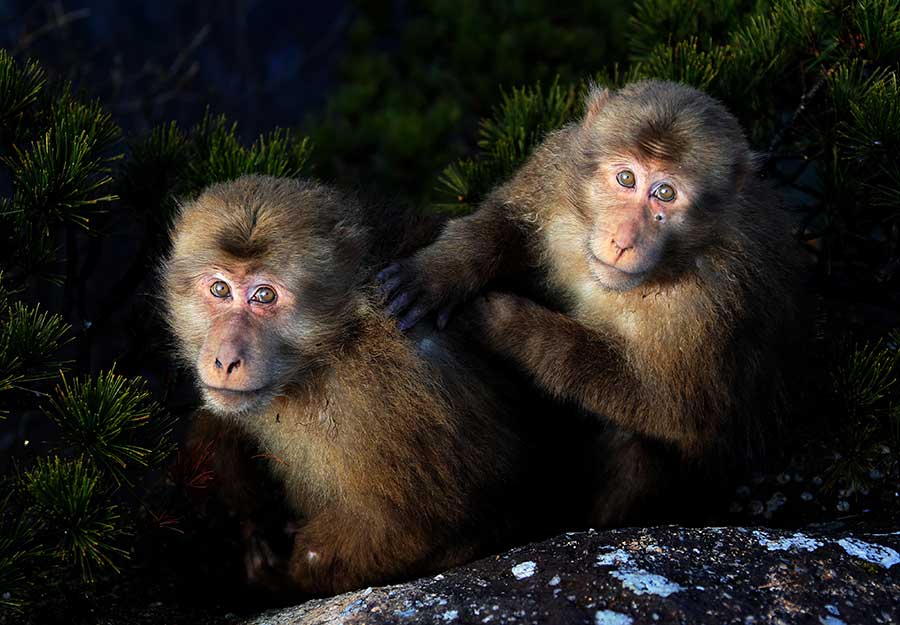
[258,287]
[636,208]
[236,362]
[655,167]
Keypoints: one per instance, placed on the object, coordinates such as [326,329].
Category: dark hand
[410,295]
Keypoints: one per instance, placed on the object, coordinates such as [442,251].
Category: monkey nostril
[622,247]
[218,364]
[234,365]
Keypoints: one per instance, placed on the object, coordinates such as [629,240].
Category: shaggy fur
[392,449]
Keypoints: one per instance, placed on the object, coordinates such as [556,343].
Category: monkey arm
[471,251]
[574,363]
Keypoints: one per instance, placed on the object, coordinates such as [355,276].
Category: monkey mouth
[231,400]
[612,277]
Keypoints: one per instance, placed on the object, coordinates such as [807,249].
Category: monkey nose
[234,365]
[622,245]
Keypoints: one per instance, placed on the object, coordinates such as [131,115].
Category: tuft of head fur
[656,120]
[258,220]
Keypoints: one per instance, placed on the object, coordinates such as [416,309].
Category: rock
[662,574]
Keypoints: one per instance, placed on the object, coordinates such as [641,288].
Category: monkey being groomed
[393,450]
[671,281]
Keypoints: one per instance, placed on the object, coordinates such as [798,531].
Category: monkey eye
[264,295]
[665,192]
[220,289]
[625,178]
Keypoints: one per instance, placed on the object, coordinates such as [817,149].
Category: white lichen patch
[353,607]
[554,581]
[876,554]
[524,569]
[797,541]
[609,617]
[642,582]
[450,615]
[613,558]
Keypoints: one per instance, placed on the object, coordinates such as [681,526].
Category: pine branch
[783,133]
[19,557]
[19,90]
[218,155]
[112,420]
[69,499]
[506,139]
[29,336]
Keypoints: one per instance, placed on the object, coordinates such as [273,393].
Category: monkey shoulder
[540,179]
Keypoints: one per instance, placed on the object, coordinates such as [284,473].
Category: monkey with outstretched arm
[671,275]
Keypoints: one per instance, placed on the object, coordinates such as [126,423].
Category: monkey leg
[637,482]
[242,482]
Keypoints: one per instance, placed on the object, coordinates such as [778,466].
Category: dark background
[262,63]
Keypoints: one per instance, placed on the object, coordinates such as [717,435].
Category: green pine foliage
[72,508]
[112,420]
[57,153]
[416,77]
[20,88]
[867,387]
[170,165]
[520,121]
[67,505]
[218,155]
[20,558]
[29,339]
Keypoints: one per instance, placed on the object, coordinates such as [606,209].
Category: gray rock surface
[652,575]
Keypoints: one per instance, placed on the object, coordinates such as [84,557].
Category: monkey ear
[596,99]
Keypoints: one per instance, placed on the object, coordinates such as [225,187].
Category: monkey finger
[388,288]
[388,271]
[444,315]
[398,304]
[413,317]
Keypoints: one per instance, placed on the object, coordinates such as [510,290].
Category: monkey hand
[412,291]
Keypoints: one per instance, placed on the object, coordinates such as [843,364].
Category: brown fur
[391,448]
[681,355]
